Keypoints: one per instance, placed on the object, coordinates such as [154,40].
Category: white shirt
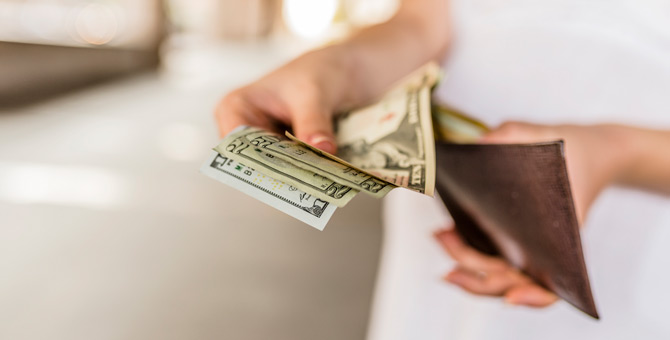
[547,61]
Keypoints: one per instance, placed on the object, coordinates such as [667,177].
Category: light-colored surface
[545,61]
[108,231]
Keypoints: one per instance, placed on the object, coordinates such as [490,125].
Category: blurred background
[107,230]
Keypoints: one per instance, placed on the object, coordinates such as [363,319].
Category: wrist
[625,150]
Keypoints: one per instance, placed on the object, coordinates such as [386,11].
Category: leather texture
[515,201]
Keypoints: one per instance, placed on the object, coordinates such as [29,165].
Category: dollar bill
[304,156]
[247,146]
[275,193]
[393,139]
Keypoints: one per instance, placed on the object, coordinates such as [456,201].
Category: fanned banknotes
[248,146]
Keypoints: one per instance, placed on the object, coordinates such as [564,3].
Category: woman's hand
[305,93]
[302,94]
[596,155]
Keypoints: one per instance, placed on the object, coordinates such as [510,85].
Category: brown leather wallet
[515,201]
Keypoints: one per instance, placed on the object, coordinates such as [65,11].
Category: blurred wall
[49,47]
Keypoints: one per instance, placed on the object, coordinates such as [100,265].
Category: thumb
[315,127]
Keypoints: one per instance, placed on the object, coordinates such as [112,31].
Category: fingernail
[452,277]
[510,301]
[520,300]
[440,233]
[447,237]
[322,142]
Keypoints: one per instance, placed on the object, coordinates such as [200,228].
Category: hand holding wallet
[515,201]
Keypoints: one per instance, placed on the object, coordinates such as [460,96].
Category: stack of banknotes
[381,147]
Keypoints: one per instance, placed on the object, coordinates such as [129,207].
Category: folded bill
[291,150]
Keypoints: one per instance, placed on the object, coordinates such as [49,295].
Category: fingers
[466,256]
[516,288]
[530,295]
[316,129]
[481,274]
[495,284]
[257,106]
[236,109]
[313,124]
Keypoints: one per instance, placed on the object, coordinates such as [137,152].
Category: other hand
[595,154]
[595,159]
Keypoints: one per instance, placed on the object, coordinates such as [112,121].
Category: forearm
[361,68]
[383,54]
[647,158]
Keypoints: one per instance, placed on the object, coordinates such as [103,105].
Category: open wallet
[514,201]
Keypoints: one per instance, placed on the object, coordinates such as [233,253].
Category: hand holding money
[383,146]
[302,95]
